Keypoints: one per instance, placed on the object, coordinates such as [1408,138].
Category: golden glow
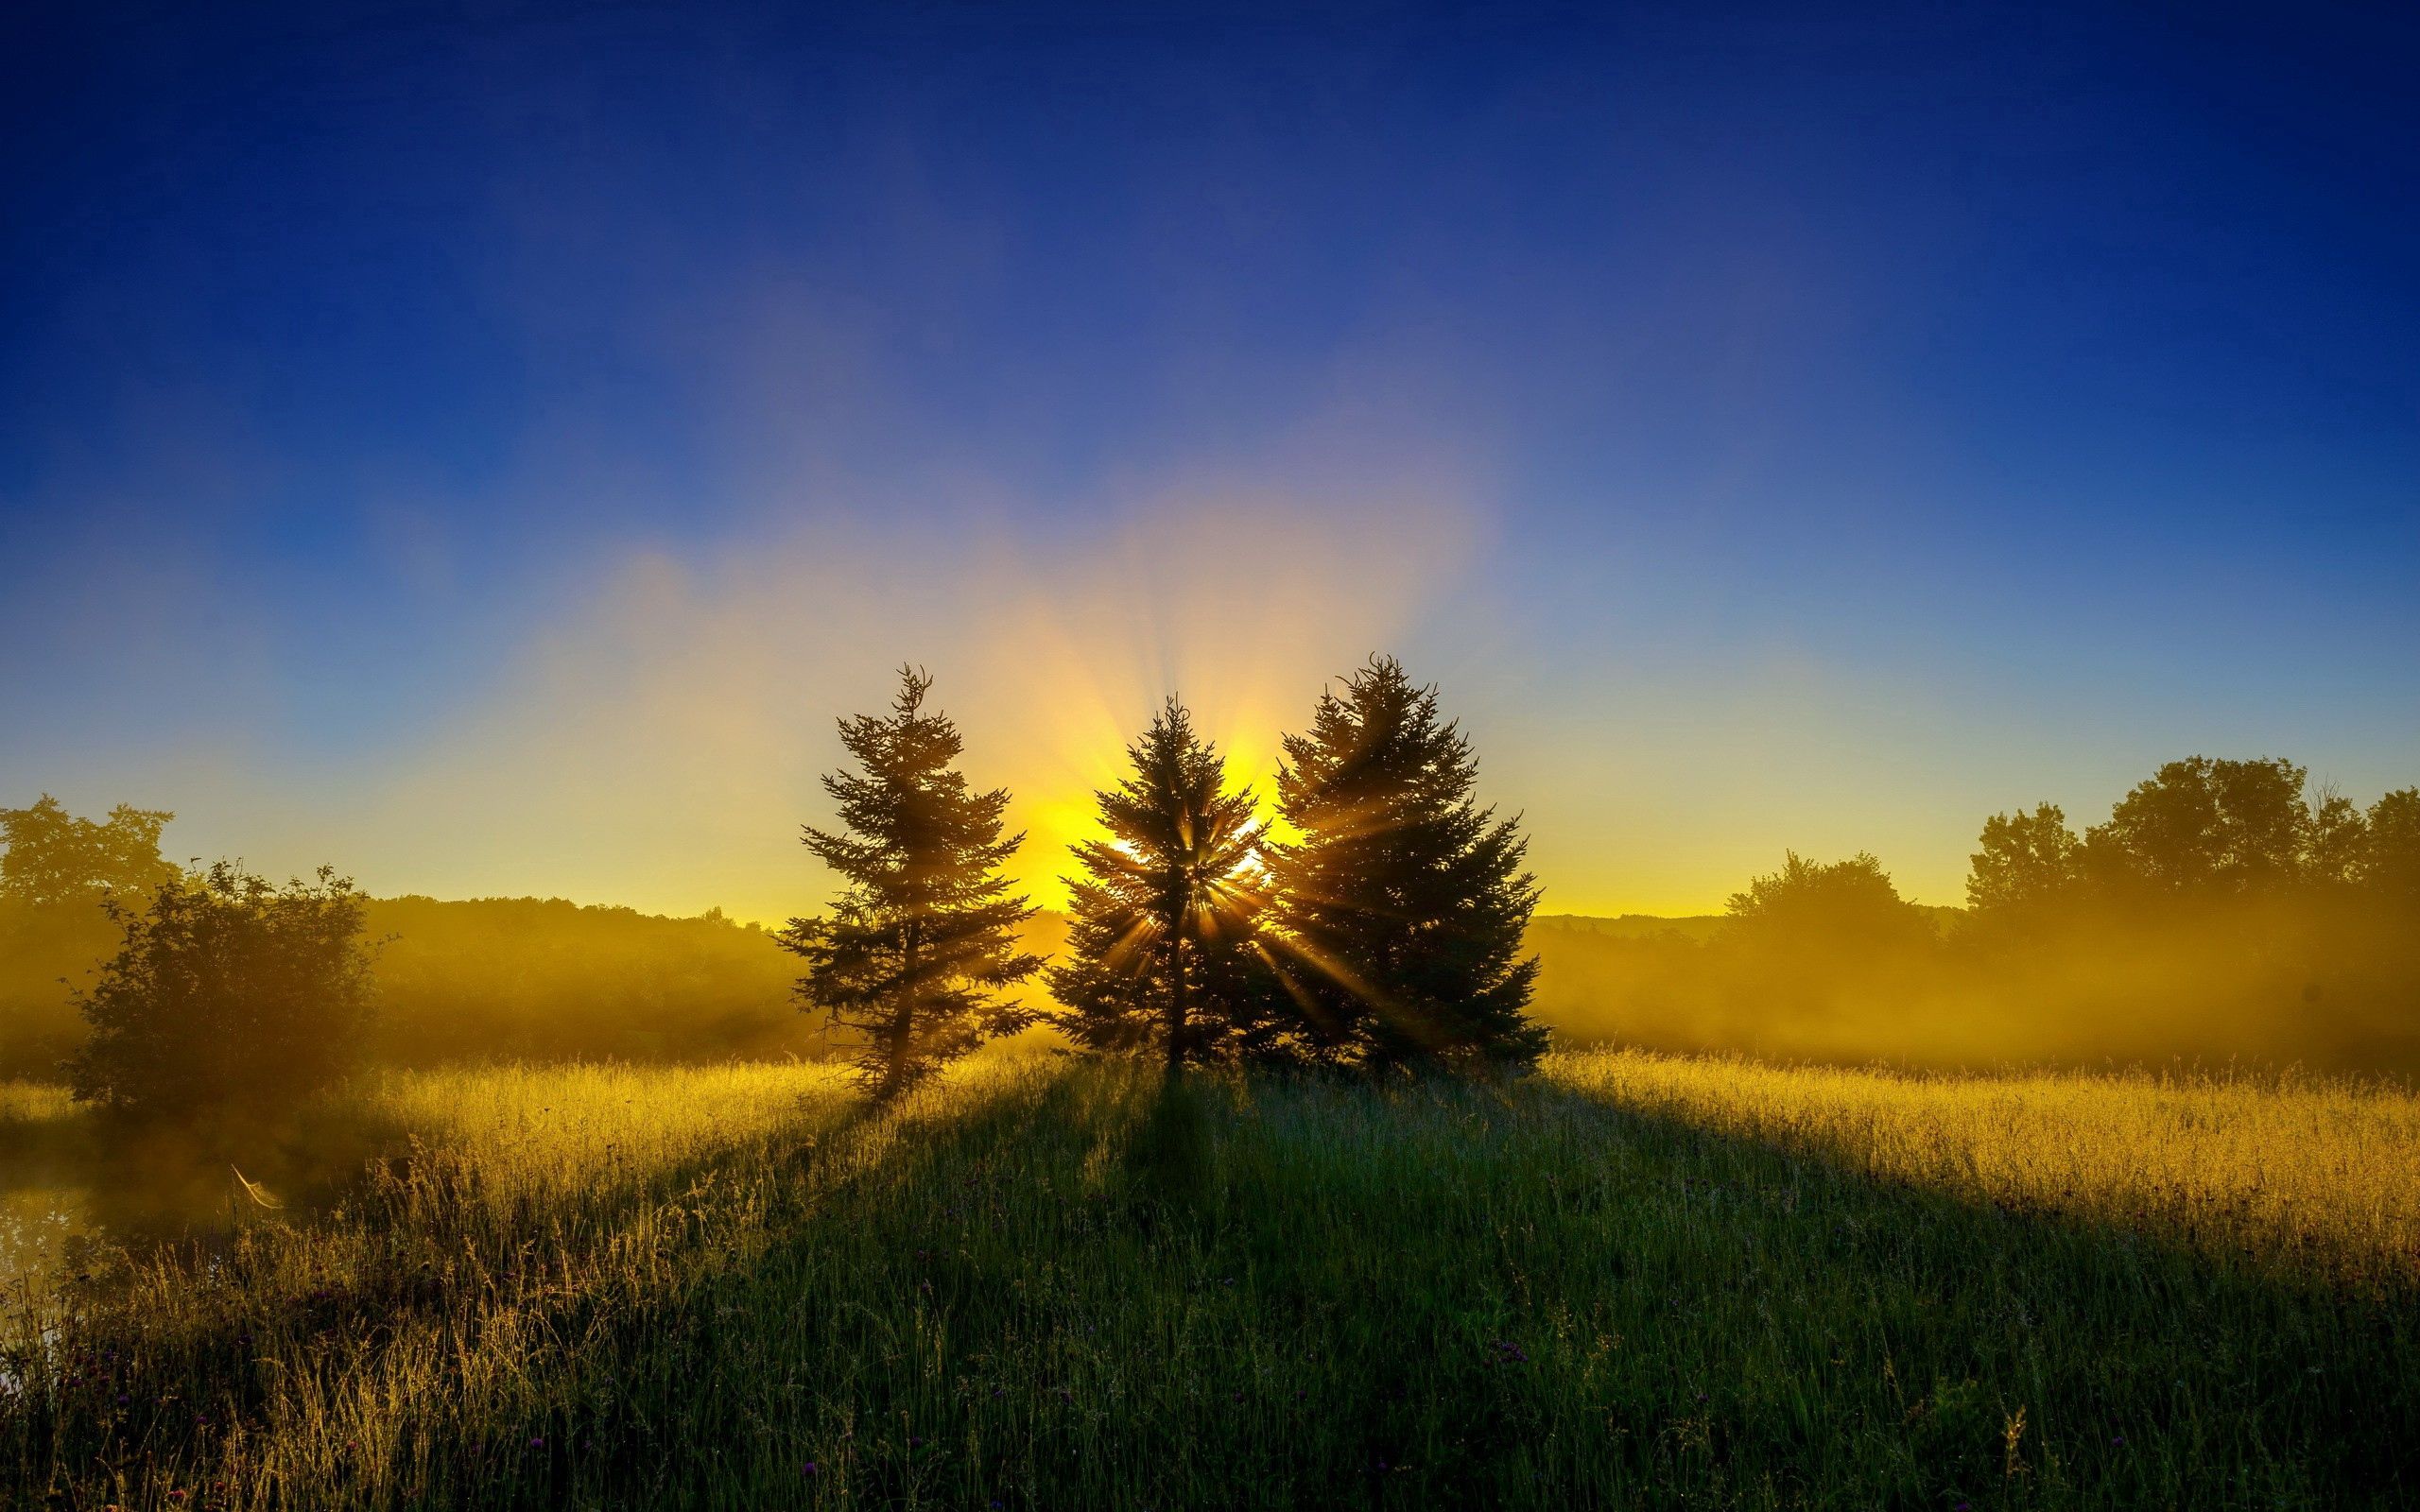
[658,742]
[661,748]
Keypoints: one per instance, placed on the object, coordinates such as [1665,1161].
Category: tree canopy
[2202,824]
[55,858]
[1845,905]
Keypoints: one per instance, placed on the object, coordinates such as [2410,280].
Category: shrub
[229,995]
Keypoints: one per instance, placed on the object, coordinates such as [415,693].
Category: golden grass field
[1042,1284]
[2307,1171]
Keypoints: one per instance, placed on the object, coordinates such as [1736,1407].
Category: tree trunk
[1176,1003]
[903,1026]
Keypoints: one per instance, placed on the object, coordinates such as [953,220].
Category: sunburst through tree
[1161,945]
[1400,912]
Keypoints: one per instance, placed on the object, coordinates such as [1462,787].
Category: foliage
[1625,1281]
[1399,910]
[2026,863]
[1162,949]
[923,939]
[55,859]
[229,996]
[2221,913]
[2203,824]
[1844,906]
[2391,851]
[2335,842]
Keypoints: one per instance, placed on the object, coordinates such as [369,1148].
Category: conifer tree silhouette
[1399,912]
[1160,947]
[923,936]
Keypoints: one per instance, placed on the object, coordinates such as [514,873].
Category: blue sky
[1775,426]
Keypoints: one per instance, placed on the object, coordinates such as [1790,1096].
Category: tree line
[2196,829]
[1377,925]
[2225,910]
[1378,921]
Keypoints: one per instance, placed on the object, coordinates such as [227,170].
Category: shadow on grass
[215,1346]
[1083,1289]
[1304,1293]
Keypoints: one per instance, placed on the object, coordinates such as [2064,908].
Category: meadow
[1628,1280]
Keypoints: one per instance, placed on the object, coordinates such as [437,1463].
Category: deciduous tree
[2203,825]
[2391,851]
[2026,863]
[55,858]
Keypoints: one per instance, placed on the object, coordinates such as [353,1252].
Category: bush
[229,996]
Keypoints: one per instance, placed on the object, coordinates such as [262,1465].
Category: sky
[485,447]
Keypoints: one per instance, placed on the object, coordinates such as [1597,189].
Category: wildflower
[537,1441]
[2119,1442]
[809,1468]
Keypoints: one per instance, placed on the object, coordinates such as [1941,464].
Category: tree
[2391,857]
[922,940]
[55,858]
[2026,863]
[2336,840]
[228,995]
[1400,910]
[2200,825]
[1813,909]
[1161,944]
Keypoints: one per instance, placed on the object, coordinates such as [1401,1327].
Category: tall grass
[2313,1173]
[1040,1285]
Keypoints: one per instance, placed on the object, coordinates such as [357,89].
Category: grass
[2311,1175]
[1631,1280]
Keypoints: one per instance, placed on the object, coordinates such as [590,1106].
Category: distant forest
[2226,911]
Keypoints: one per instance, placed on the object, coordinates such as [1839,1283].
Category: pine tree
[1161,945]
[1400,910]
[922,938]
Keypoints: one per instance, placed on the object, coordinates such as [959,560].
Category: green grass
[1047,1287]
